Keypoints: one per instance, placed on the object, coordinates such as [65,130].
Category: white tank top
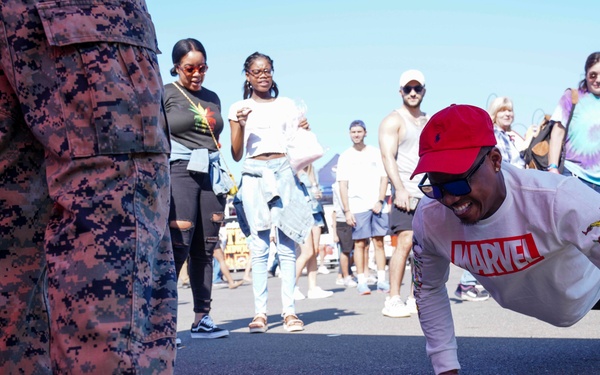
[408,153]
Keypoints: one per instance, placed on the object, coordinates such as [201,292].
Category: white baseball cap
[412,75]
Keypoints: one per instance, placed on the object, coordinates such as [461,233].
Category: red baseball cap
[452,138]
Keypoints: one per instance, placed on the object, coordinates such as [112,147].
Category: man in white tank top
[399,136]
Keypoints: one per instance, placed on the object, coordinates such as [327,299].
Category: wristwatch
[551,166]
[381,201]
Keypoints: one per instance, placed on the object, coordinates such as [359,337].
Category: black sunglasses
[457,187]
[407,89]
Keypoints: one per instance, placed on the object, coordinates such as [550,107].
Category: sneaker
[363,289]
[383,286]
[298,296]
[371,280]
[206,329]
[178,343]
[323,270]
[411,303]
[339,281]
[349,282]
[319,293]
[471,293]
[395,308]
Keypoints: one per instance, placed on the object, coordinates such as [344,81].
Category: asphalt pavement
[347,334]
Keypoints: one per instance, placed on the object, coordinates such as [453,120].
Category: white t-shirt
[537,255]
[267,124]
[363,171]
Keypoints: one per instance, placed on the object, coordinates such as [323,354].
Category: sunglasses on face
[191,69]
[407,89]
[258,72]
[457,187]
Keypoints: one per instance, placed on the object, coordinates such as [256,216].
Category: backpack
[536,154]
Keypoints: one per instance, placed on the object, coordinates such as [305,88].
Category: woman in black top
[194,116]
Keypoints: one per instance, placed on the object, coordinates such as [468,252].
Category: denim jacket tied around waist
[272,196]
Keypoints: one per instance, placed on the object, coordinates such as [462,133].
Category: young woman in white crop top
[274,203]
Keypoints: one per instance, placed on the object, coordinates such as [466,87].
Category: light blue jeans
[467,278]
[259,249]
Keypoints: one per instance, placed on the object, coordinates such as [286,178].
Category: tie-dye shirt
[582,146]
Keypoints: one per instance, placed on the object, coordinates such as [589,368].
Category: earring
[248,85]
[497,169]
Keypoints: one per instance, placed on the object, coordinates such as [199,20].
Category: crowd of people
[97,189]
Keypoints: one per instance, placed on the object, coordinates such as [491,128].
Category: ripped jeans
[193,201]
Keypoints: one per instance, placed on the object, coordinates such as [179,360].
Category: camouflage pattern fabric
[87,279]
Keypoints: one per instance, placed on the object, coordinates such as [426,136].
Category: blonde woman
[509,142]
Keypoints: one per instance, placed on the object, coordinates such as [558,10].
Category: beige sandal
[291,323]
[235,284]
[258,324]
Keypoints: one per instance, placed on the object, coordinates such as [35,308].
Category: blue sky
[344,58]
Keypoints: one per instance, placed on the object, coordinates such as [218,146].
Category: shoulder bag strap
[574,100]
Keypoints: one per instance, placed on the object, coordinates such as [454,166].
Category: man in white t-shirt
[531,238]
[363,184]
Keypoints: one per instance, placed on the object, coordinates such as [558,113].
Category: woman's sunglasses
[191,69]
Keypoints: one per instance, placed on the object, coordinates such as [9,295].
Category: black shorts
[400,220]
[344,233]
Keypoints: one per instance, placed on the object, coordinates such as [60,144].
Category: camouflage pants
[87,278]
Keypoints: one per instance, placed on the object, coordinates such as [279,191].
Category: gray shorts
[369,224]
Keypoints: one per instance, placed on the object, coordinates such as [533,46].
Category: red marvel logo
[498,256]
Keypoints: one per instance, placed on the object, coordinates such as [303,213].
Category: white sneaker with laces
[323,270]
[298,296]
[395,308]
[411,303]
[339,281]
[350,283]
[317,292]
[371,280]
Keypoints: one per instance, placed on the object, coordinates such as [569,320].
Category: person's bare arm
[345,205]
[390,136]
[556,141]
[237,133]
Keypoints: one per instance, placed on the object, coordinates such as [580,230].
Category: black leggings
[193,200]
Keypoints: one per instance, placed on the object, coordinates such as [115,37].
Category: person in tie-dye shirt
[582,144]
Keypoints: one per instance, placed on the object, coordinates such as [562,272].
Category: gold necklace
[212,134]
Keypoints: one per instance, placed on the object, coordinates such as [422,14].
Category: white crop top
[266,125]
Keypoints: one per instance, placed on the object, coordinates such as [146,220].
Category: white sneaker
[395,308]
[323,270]
[319,293]
[298,296]
[411,303]
[339,281]
[350,283]
[371,280]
